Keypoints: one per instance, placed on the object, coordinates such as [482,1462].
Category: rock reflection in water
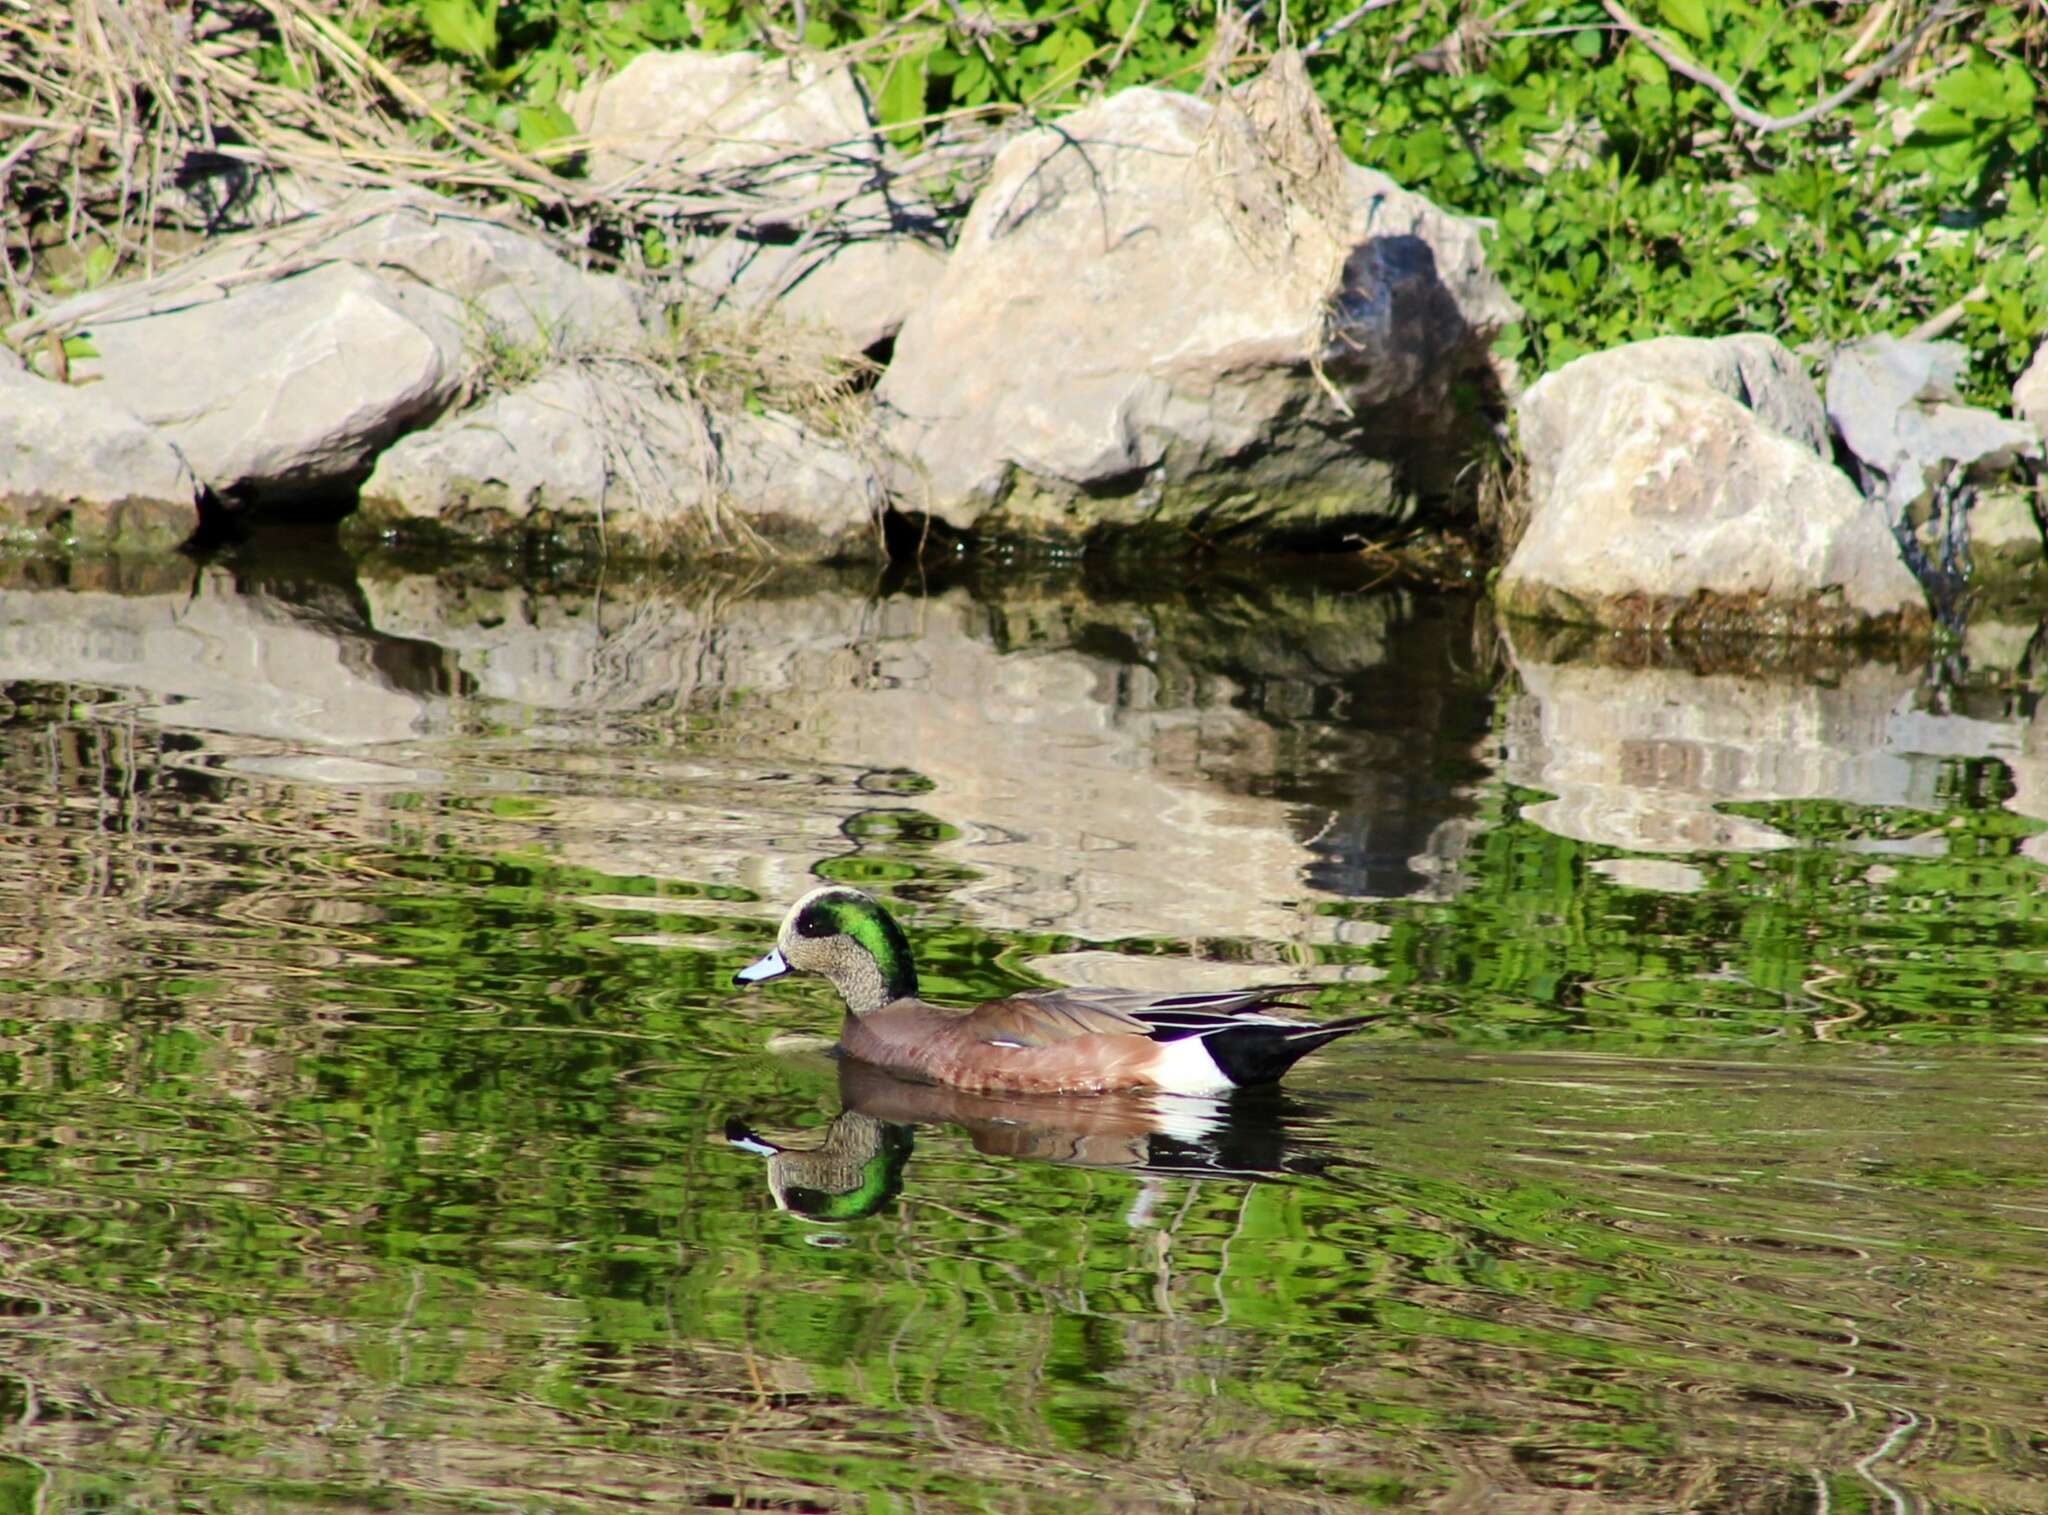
[279,662]
[858,1166]
[1644,744]
[1103,758]
[1106,756]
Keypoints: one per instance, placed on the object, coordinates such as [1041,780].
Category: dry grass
[133,129]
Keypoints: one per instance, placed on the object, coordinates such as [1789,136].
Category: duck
[1051,1041]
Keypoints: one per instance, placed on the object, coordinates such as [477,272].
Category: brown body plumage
[1056,1041]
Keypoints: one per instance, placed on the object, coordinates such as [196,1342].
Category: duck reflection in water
[858,1167]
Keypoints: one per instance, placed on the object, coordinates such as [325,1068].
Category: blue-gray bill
[771,966]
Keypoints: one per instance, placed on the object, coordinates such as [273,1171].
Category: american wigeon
[1054,1041]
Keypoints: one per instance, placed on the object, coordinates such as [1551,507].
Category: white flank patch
[1185,1067]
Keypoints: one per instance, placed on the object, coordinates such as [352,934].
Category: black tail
[1256,1054]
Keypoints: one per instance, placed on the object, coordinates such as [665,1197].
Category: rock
[1894,405]
[783,161]
[603,458]
[680,122]
[469,281]
[806,496]
[2030,394]
[1148,316]
[1668,505]
[284,386]
[398,303]
[2008,562]
[536,452]
[78,471]
[499,286]
[862,288]
[1752,369]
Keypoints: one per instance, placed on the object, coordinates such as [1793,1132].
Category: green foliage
[463,27]
[1630,203]
[94,269]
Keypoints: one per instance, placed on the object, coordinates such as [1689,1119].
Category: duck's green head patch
[827,913]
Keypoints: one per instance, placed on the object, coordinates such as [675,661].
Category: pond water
[380,1128]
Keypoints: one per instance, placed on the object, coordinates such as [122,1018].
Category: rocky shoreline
[1164,326]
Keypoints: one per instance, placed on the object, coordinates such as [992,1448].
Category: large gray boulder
[719,125]
[1894,404]
[472,282]
[606,458]
[779,163]
[281,363]
[286,386]
[1662,503]
[1755,370]
[1190,320]
[76,470]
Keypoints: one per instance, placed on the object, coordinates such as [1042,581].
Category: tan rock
[278,387]
[283,363]
[76,470]
[606,458]
[2030,394]
[781,158]
[1756,371]
[1659,504]
[1127,331]
[674,120]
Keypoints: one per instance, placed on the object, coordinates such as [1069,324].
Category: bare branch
[1941,321]
[1343,24]
[1748,115]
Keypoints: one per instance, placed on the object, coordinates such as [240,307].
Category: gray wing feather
[1165,1017]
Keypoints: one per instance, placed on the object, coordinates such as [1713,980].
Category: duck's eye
[815,922]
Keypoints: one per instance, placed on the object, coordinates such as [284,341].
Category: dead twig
[1342,25]
[1755,119]
[1944,319]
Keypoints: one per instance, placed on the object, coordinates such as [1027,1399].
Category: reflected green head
[807,1183]
[825,921]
